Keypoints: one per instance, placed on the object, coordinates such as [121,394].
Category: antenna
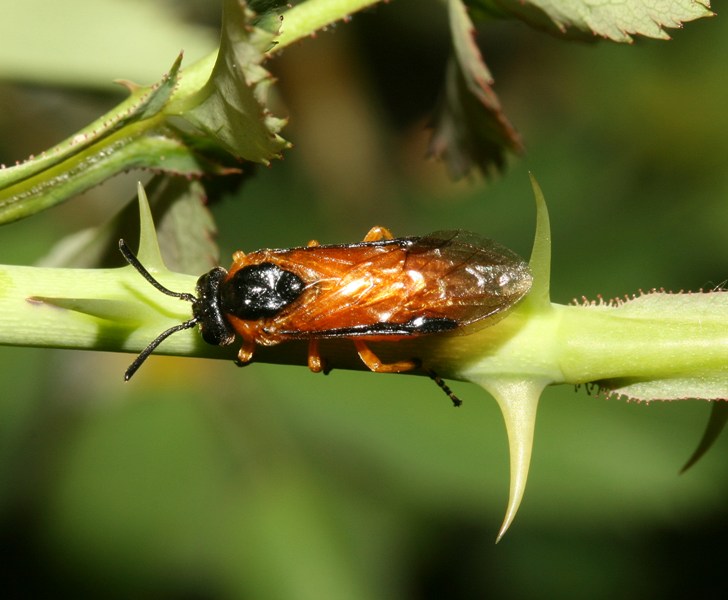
[144,354]
[134,262]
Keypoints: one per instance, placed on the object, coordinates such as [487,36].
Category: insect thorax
[259,291]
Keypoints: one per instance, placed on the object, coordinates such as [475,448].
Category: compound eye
[260,291]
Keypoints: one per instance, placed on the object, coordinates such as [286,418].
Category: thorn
[716,423]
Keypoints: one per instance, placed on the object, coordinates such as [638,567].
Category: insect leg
[444,387]
[377,233]
[373,362]
[245,354]
[315,361]
[312,244]
[238,256]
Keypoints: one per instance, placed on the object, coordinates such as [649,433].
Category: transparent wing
[410,286]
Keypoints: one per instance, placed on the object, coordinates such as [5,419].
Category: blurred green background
[199,480]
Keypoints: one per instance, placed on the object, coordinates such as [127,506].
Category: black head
[253,292]
[208,312]
[259,291]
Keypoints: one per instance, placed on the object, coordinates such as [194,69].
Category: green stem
[116,310]
[91,309]
[307,18]
[141,132]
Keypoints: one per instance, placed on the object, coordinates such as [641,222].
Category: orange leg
[245,354]
[238,256]
[315,362]
[373,362]
[377,233]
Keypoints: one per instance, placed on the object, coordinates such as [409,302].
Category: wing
[406,286]
[469,277]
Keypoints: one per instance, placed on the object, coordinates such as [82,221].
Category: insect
[380,289]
